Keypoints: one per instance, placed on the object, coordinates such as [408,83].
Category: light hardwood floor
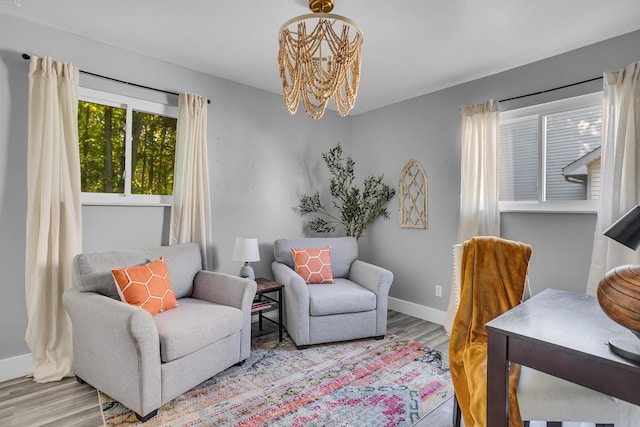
[24,403]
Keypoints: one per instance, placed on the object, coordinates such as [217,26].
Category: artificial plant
[357,208]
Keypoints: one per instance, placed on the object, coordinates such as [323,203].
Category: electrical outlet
[438,290]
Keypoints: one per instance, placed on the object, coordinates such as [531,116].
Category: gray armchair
[355,306]
[144,361]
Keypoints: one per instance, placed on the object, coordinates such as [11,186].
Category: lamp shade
[626,230]
[246,250]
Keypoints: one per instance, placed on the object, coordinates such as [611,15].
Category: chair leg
[379,337]
[457,412]
[146,417]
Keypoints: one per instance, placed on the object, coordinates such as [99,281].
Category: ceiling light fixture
[320,64]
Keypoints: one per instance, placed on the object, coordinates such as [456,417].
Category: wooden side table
[266,286]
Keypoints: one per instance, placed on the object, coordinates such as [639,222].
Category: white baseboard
[14,367]
[420,311]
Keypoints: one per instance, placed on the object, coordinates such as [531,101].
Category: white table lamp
[246,250]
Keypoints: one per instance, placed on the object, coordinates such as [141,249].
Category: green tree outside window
[102,138]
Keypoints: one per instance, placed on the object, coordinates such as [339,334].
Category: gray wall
[427,128]
[261,160]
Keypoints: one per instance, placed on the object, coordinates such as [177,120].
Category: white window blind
[547,153]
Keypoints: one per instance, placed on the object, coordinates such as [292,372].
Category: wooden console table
[565,335]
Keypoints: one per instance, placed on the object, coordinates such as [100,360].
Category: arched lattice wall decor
[413,196]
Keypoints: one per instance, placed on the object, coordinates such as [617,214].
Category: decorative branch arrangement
[357,208]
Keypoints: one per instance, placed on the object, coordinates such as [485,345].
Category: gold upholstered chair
[493,275]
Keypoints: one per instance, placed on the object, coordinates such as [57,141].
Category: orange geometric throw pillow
[314,265]
[146,286]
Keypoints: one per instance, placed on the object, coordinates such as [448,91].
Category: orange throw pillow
[314,265]
[146,286]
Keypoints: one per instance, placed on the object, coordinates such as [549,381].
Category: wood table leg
[497,380]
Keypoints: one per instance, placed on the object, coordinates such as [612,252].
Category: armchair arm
[296,302]
[116,349]
[234,291]
[221,288]
[378,280]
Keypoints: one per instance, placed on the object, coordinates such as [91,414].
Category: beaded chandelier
[320,64]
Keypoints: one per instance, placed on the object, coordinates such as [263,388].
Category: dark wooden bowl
[619,295]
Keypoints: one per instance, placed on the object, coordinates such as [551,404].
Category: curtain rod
[26,56]
[551,90]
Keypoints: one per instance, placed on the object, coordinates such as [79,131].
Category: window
[550,156]
[127,149]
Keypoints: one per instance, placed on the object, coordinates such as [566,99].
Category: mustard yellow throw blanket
[493,275]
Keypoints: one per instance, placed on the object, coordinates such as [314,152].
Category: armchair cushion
[193,325]
[344,296]
[313,265]
[344,251]
[146,286]
[92,271]
[545,397]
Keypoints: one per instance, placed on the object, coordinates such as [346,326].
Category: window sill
[572,207]
[95,199]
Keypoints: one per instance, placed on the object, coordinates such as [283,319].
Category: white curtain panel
[191,209]
[479,208]
[620,169]
[619,186]
[54,222]
[479,204]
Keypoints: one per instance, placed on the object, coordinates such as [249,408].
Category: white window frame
[130,104]
[559,106]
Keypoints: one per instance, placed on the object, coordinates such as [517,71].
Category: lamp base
[247,272]
[627,346]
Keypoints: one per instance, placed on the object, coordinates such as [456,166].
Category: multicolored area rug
[391,382]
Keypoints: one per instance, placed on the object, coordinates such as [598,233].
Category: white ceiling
[411,47]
